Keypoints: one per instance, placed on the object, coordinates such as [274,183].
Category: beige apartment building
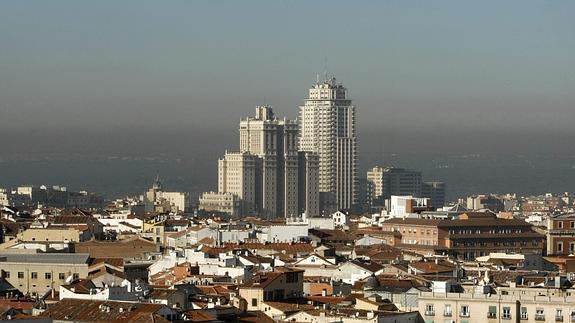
[237,175]
[38,273]
[268,174]
[220,202]
[536,305]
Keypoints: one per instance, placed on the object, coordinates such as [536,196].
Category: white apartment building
[508,304]
[327,128]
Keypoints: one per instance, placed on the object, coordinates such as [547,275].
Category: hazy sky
[419,64]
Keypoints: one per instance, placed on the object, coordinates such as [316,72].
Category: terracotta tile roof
[128,248]
[288,308]
[255,317]
[261,280]
[71,219]
[428,267]
[371,266]
[103,311]
[116,262]
[81,286]
[214,290]
[199,316]
[162,293]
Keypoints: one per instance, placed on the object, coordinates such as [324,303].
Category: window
[506,313]
[539,314]
[34,275]
[61,276]
[558,315]
[571,247]
[492,312]
[76,276]
[429,310]
[47,275]
[254,302]
[559,246]
[464,311]
[5,274]
[572,224]
[447,310]
[524,313]
[560,224]
[20,275]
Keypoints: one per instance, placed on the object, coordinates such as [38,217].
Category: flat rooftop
[46,258]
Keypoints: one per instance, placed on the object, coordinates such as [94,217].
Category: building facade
[327,122]
[237,175]
[561,235]
[269,175]
[388,181]
[158,200]
[220,202]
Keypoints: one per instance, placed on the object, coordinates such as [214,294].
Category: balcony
[429,313]
[572,318]
[506,317]
[447,314]
[559,318]
[464,314]
[539,317]
[491,315]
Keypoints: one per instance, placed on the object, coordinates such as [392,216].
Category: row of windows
[560,224]
[560,246]
[490,231]
[34,275]
[465,312]
[495,243]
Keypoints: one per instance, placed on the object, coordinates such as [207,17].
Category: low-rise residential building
[39,273]
[512,304]
[220,202]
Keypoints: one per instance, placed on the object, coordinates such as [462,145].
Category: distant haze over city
[106,95]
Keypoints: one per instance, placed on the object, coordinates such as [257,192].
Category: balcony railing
[464,314]
[539,317]
[506,317]
[430,313]
[491,315]
[559,318]
[572,318]
[447,314]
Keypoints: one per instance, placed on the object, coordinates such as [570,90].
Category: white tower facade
[327,122]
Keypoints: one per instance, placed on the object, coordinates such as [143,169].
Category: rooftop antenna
[325,69]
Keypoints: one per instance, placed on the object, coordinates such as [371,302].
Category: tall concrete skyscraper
[327,128]
[269,175]
[274,142]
